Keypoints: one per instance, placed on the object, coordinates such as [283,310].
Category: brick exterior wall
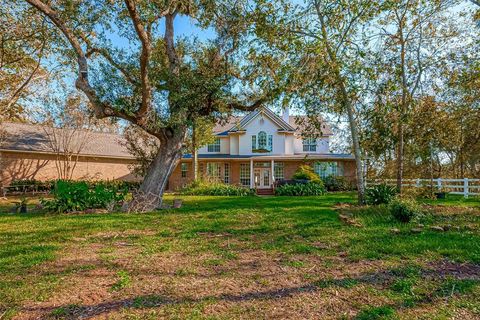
[42,167]
[289,167]
[25,165]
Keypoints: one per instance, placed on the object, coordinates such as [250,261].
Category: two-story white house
[262,147]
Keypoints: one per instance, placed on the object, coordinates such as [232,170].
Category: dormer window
[214,147]
[309,145]
[262,142]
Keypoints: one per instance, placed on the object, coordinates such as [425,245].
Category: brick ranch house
[27,154]
[253,151]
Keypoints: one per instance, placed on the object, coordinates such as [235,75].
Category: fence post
[439,184]
[417,183]
[465,187]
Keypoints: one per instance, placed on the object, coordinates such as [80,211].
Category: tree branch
[104,53]
[144,60]
[16,95]
[101,110]
[241,107]
[170,45]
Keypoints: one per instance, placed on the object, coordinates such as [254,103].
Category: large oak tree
[156,80]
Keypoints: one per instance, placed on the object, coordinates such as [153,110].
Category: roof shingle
[35,138]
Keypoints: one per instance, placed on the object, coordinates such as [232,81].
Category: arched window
[262,140]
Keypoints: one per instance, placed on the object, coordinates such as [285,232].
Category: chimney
[286,115]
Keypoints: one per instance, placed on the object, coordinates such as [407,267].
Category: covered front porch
[259,172]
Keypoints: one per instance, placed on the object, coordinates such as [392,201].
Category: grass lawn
[243,258]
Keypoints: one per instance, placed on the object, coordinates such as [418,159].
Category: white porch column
[273,172]
[251,173]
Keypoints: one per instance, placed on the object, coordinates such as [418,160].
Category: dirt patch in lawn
[253,281]
[115,281]
[87,274]
[450,269]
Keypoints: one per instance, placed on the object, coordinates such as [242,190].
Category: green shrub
[335,183]
[29,185]
[206,188]
[78,196]
[380,194]
[403,209]
[305,172]
[301,189]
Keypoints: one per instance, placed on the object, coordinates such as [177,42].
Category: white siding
[289,141]
[241,144]
[322,145]
[253,128]
[224,147]
[234,144]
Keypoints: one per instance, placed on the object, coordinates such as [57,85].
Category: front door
[262,178]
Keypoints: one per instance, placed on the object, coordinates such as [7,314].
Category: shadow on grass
[382,279]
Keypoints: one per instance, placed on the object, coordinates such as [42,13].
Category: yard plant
[404,209]
[78,196]
[305,172]
[380,194]
[215,188]
[311,188]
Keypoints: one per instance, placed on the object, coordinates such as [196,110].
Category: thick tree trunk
[347,103]
[356,148]
[150,195]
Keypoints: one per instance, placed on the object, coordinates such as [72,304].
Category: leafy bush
[78,196]
[301,189]
[206,188]
[335,183]
[30,185]
[305,172]
[37,185]
[404,210]
[380,194]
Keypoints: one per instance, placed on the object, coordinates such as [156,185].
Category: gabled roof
[23,137]
[297,124]
[282,125]
[223,126]
[304,125]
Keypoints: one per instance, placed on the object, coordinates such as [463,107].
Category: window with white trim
[245,174]
[278,171]
[184,170]
[309,145]
[325,169]
[262,142]
[213,170]
[226,173]
[214,147]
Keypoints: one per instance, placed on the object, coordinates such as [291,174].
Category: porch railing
[465,186]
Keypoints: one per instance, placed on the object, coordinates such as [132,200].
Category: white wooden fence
[465,186]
